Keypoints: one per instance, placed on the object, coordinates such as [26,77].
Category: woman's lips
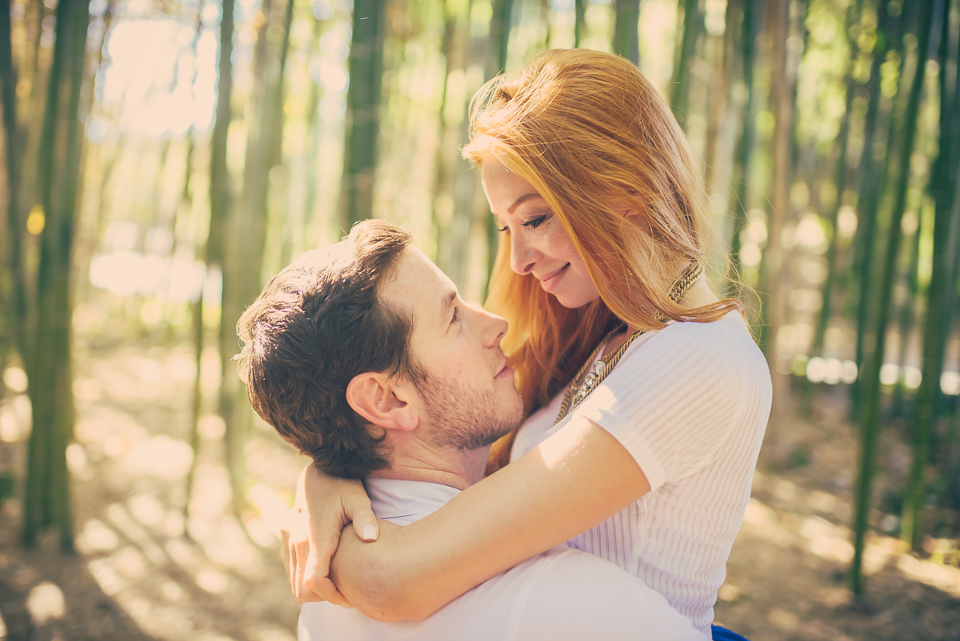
[551,281]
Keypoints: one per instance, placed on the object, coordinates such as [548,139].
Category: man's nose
[494,327]
[522,256]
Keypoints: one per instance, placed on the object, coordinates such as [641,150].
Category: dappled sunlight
[130,562]
[273,506]
[168,572]
[827,540]
[161,456]
[15,419]
[830,540]
[210,500]
[158,84]
[788,575]
[831,371]
[96,536]
[938,575]
[213,581]
[228,547]
[147,510]
[45,602]
[15,379]
[177,279]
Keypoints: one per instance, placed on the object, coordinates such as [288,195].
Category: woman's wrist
[372,575]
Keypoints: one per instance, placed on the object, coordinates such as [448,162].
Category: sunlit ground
[787,574]
[207,576]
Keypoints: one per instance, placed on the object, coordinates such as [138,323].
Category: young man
[365,358]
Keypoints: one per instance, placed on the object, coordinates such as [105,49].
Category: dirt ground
[144,570]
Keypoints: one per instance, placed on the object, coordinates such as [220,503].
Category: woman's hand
[323,507]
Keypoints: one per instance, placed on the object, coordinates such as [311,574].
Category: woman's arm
[574,480]
[310,537]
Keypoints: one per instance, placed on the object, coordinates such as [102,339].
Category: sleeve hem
[635,445]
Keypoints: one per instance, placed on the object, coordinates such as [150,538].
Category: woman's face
[539,245]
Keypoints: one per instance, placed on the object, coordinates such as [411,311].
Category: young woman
[644,457]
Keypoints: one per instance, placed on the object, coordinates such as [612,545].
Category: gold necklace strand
[584,382]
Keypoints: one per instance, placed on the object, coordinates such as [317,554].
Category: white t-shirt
[690,403]
[561,594]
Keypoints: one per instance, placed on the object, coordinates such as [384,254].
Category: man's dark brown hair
[315,326]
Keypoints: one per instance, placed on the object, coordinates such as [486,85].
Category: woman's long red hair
[595,139]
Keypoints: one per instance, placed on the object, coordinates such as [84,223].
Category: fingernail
[369,532]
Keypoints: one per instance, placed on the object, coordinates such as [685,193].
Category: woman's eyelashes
[456,315]
[533,223]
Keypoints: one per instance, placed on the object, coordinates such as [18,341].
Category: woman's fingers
[323,507]
[316,584]
[313,568]
[364,523]
[356,508]
[287,550]
[308,560]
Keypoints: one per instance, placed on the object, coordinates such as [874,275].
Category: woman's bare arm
[309,543]
[574,480]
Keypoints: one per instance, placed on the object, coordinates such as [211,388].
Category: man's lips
[504,369]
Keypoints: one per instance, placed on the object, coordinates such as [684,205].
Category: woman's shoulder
[724,345]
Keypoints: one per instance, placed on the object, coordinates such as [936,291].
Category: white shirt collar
[404,502]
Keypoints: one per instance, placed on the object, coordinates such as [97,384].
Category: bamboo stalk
[47,492]
[870,190]
[686,51]
[870,414]
[579,21]
[363,104]
[625,30]
[935,324]
[840,180]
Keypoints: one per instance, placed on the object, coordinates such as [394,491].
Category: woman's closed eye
[533,223]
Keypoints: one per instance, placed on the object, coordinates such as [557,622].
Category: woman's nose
[522,256]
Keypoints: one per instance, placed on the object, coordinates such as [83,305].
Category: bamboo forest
[164,159]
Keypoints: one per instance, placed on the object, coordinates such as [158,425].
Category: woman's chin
[574,301]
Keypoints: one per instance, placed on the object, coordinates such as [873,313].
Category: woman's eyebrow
[522,199]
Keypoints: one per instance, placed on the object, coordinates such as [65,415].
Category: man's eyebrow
[522,199]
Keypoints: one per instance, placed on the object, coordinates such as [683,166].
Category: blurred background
[162,159]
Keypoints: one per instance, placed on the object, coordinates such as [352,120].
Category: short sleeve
[673,401]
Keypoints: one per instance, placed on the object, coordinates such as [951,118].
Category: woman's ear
[382,401]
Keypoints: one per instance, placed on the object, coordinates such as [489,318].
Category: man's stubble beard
[469,419]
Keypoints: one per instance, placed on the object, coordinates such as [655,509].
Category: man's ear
[382,401]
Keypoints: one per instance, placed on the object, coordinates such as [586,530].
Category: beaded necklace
[589,377]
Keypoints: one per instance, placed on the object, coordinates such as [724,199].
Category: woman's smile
[551,281]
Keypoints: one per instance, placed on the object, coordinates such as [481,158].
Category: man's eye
[503,229]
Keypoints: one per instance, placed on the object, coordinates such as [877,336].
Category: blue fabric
[720,633]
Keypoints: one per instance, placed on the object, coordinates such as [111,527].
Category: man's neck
[447,466]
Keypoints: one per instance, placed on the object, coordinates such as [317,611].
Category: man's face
[468,393]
